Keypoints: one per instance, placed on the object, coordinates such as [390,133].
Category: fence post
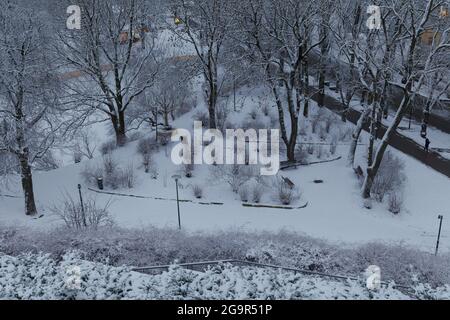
[82,205]
[440,217]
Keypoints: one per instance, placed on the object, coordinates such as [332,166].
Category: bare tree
[111,53]
[417,64]
[28,94]
[205,24]
[281,35]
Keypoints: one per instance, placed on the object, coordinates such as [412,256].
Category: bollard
[100,183]
[440,217]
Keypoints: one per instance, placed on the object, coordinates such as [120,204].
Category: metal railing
[238,262]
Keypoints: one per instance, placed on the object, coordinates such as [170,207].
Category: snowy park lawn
[335,211]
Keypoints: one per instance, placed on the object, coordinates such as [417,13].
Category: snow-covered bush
[301,153]
[201,115]
[390,176]
[253,124]
[323,134]
[187,170]
[147,162]
[108,147]
[402,264]
[329,120]
[265,109]
[257,191]
[153,246]
[311,148]
[253,113]
[234,174]
[319,151]
[145,148]
[395,202]
[285,193]
[75,216]
[197,190]
[114,175]
[38,276]
[244,193]
[90,173]
[333,145]
[77,156]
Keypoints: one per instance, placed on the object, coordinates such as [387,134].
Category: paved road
[395,96]
[398,141]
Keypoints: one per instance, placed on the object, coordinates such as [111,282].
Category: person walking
[427,144]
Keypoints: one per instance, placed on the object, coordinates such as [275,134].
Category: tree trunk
[355,137]
[372,133]
[212,101]
[373,169]
[27,183]
[119,128]
[306,87]
[322,67]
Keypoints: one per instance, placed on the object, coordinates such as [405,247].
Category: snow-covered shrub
[159,246]
[163,139]
[76,216]
[146,146]
[257,191]
[367,203]
[265,109]
[404,265]
[147,161]
[253,113]
[201,115]
[244,193]
[197,190]
[323,134]
[329,120]
[390,176]
[302,130]
[128,177]
[187,170]
[319,151]
[234,174]
[110,164]
[333,145]
[317,119]
[395,202]
[77,156]
[301,153]
[221,116]
[285,193]
[37,276]
[116,176]
[90,173]
[311,148]
[153,170]
[274,121]
[108,147]
[253,124]
[345,134]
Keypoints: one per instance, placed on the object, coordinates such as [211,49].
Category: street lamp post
[177,177]
[440,217]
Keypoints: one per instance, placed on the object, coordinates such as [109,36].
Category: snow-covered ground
[335,211]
